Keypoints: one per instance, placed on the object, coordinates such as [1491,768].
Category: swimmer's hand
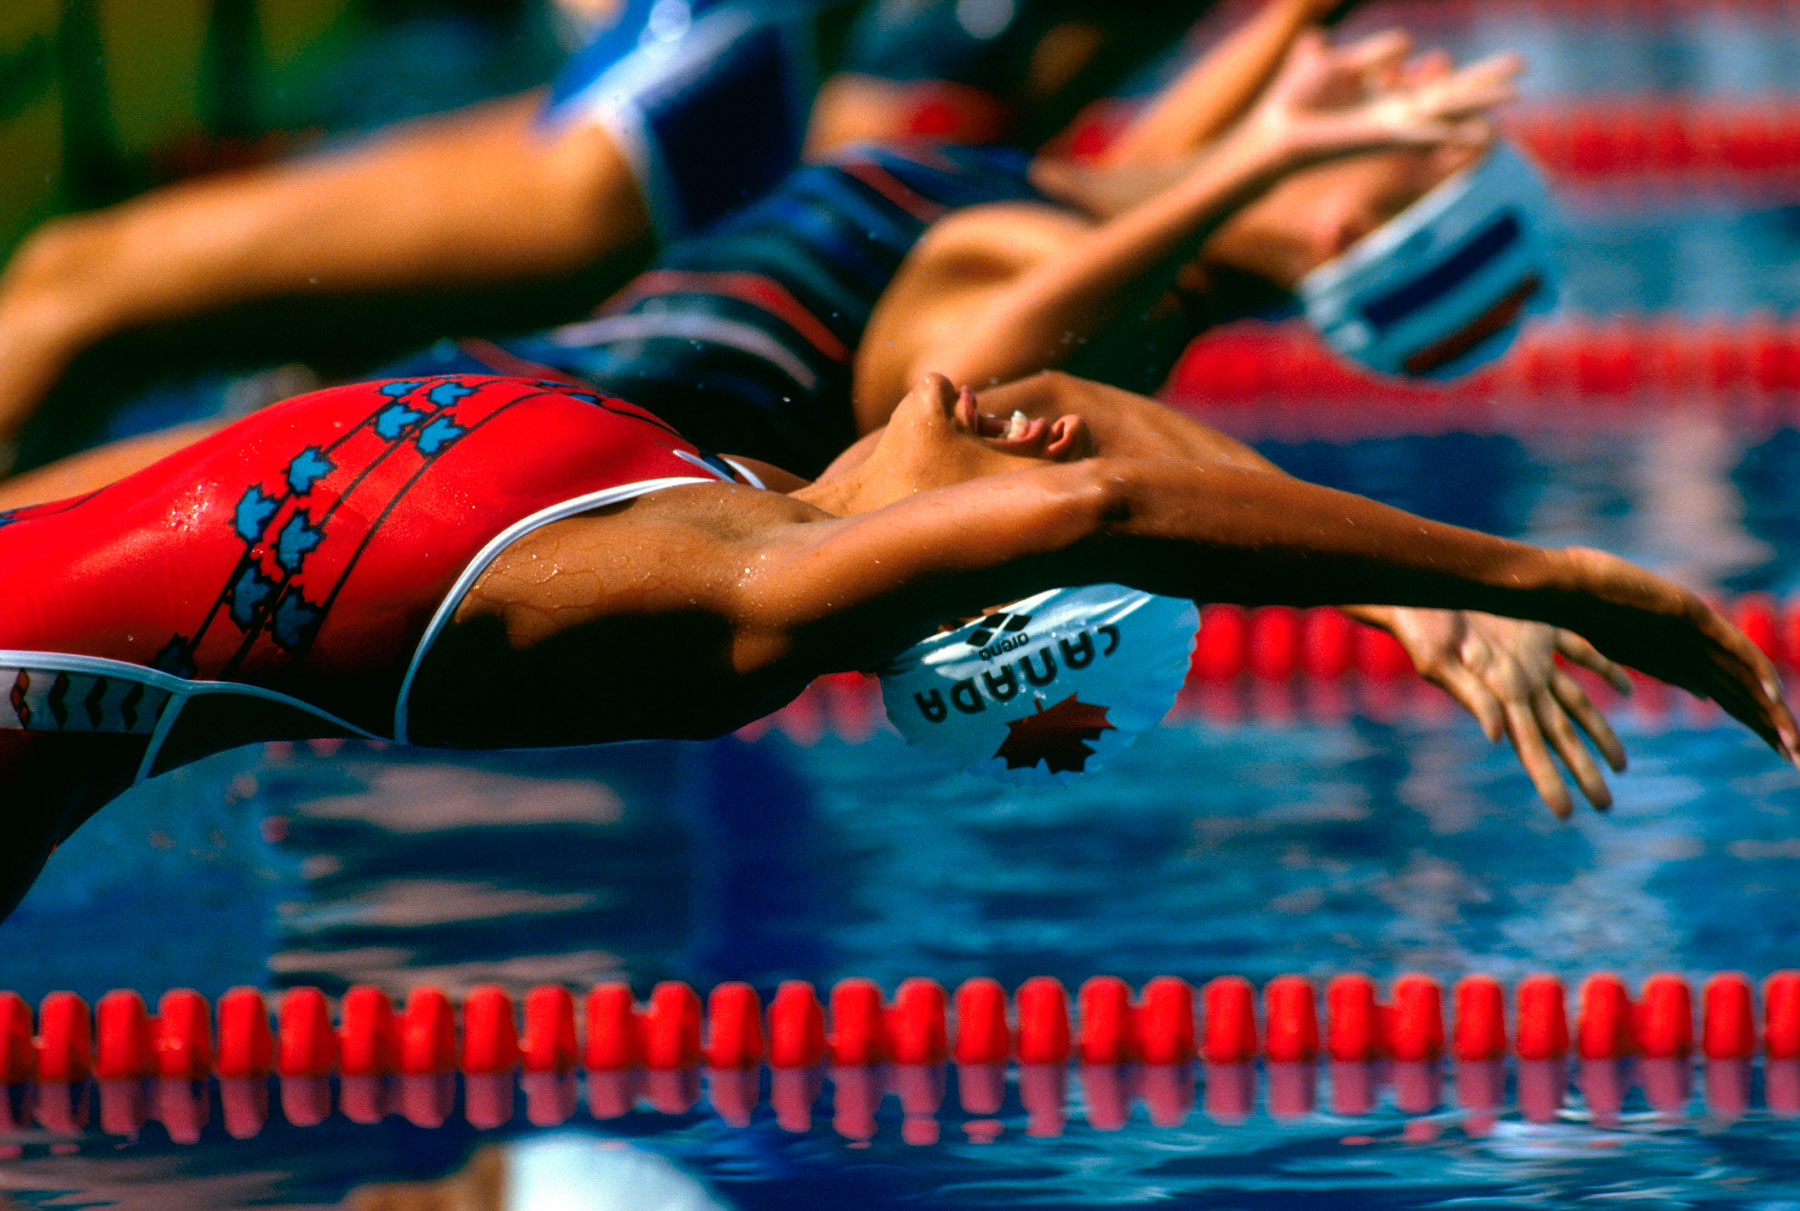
[1329,101]
[1657,627]
[1504,672]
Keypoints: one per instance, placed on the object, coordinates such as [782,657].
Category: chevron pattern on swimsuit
[52,700]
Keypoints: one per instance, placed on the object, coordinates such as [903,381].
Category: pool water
[1256,848]
[1281,841]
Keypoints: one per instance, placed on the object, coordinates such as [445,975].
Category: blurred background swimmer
[568,1170]
[500,215]
[791,327]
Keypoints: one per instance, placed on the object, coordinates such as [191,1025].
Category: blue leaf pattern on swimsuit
[391,421]
[298,536]
[253,512]
[248,592]
[447,393]
[294,616]
[400,387]
[438,434]
[308,467]
[175,657]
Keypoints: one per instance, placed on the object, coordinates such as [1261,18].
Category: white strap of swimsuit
[60,692]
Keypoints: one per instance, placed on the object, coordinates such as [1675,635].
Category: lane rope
[374,1057]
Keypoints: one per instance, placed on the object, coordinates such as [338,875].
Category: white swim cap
[574,1171]
[1444,286]
[1045,688]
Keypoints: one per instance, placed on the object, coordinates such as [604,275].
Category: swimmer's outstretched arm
[1217,87]
[1504,671]
[841,593]
[998,292]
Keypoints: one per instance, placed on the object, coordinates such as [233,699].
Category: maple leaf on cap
[1057,736]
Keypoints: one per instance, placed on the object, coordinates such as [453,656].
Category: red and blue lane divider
[384,1058]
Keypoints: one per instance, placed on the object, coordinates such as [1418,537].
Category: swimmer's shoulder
[728,511]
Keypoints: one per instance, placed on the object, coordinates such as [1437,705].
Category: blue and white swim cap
[1444,286]
[1047,687]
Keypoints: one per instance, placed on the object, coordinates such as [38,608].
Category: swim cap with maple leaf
[1057,737]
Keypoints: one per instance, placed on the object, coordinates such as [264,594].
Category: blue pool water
[1276,844]
[1256,848]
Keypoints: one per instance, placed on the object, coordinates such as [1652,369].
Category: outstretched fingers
[1375,56]
[1474,697]
[1474,89]
[1577,650]
[1534,755]
[1749,689]
[1561,733]
[1575,702]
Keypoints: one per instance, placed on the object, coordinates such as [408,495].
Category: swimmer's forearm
[1213,91]
[1166,525]
[1122,267]
[1226,533]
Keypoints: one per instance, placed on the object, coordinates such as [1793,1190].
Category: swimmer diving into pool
[473,562]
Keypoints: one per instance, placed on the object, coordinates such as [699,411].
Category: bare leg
[471,199]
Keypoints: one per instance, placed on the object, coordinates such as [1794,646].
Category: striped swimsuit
[743,338]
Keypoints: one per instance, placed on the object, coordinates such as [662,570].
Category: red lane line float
[1108,1032]
[1166,1021]
[858,1024]
[369,1044]
[428,1033]
[1480,1020]
[1603,1030]
[1781,1016]
[1416,1033]
[1291,1017]
[676,1031]
[735,1038]
[796,1026]
[548,1043]
[122,1025]
[1543,1019]
[65,1043]
[246,1044]
[1672,142]
[1595,365]
[982,1033]
[1665,1018]
[1728,1022]
[1229,1009]
[1044,1035]
[1353,1019]
[18,1052]
[491,1033]
[614,1032]
[671,1027]
[183,1035]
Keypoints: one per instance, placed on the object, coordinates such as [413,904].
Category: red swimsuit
[309,554]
